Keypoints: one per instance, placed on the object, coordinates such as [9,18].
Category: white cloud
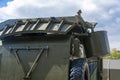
[115,41]
[106,13]
[88,5]
[17,8]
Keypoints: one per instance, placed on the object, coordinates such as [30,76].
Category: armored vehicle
[55,48]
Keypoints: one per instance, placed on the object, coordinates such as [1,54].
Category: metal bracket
[34,64]
[28,75]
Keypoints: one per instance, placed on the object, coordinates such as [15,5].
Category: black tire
[79,70]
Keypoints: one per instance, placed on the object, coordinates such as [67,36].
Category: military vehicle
[54,48]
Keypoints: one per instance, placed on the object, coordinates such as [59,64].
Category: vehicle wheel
[79,70]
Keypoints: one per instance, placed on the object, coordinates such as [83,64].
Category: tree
[115,54]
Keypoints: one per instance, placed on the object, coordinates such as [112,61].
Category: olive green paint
[52,65]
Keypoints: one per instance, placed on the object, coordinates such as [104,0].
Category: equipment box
[97,44]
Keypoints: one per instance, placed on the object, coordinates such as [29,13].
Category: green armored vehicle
[56,48]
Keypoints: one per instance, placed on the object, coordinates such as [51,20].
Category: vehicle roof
[52,25]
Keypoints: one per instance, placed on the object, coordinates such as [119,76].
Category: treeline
[115,54]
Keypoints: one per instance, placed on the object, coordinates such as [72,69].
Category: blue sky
[4,2]
[105,13]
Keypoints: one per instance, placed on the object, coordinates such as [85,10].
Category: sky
[4,2]
[105,12]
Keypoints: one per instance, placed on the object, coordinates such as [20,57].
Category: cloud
[30,8]
[115,41]
[106,13]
